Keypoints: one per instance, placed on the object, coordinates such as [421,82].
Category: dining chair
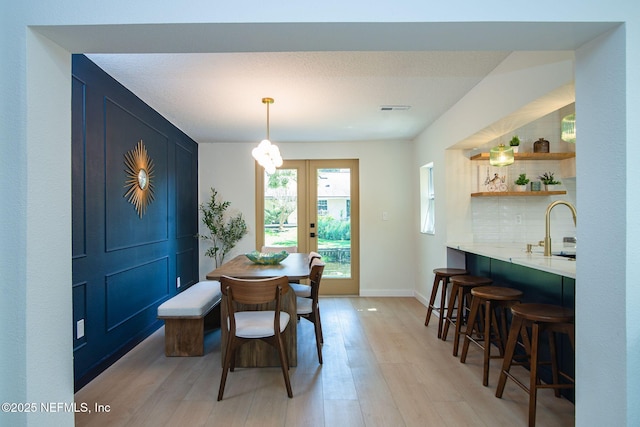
[246,325]
[301,289]
[274,249]
[309,308]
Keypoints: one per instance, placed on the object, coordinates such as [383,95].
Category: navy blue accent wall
[125,266]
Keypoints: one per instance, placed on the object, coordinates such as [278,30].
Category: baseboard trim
[388,293]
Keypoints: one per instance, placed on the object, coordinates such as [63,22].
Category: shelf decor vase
[521,187]
[541,146]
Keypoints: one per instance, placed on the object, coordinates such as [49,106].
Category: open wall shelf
[530,156]
[517,193]
[524,156]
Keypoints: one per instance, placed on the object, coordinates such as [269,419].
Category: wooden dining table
[258,353]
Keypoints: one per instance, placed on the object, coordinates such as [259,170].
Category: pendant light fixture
[568,127]
[501,156]
[266,153]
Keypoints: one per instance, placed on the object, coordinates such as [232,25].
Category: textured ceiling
[319,96]
[330,92]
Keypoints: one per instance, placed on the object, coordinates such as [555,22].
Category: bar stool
[492,298]
[442,275]
[460,290]
[539,317]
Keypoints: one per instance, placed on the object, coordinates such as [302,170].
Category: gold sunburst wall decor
[139,184]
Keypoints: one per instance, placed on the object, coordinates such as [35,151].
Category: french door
[313,205]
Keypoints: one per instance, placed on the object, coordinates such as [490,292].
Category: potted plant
[225,230]
[515,143]
[521,182]
[549,181]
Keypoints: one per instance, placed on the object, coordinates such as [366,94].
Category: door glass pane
[281,208]
[334,221]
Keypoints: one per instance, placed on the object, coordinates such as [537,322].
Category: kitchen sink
[570,255]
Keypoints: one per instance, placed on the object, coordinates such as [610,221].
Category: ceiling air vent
[395,107]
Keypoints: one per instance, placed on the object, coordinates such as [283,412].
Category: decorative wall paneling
[125,265]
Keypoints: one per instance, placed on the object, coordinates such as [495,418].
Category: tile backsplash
[522,219]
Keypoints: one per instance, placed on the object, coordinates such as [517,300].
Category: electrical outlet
[79,329]
[518,219]
[385,216]
[178,283]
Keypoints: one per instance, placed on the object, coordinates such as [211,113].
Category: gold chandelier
[266,153]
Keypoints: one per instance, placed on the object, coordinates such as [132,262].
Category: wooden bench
[186,316]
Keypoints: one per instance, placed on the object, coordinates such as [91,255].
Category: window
[323,207]
[427,200]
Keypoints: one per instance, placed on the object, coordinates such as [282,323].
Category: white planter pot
[521,187]
[515,148]
[548,187]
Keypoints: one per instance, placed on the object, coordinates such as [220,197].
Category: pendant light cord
[268,122]
[267,101]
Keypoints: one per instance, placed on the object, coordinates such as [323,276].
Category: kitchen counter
[516,253]
[541,279]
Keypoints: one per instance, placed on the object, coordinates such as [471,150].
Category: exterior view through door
[313,205]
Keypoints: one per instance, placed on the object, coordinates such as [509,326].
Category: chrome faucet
[547,217]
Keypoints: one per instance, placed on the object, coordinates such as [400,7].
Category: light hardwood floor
[382,367]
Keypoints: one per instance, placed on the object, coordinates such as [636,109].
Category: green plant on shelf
[522,179]
[548,179]
[515,141]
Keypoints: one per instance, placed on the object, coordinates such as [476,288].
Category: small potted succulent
[515,143]
[521,182]
[549,181]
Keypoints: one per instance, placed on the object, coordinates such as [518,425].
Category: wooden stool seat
[544,313]
[460,290]
[538,317]
[442,275]
[496,293]
[492,298]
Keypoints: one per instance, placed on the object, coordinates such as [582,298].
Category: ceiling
[328,80]
[319,96]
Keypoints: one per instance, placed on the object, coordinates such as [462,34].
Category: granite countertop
[516,253]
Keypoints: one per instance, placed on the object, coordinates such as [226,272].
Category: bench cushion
[195,301]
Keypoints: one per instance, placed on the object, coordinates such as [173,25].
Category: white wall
[606,82]
[230,169]
[385,185]
[13,223]
[603,280]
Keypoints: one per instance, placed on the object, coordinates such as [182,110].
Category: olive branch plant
[225,230]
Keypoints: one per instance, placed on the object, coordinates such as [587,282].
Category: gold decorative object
[139,184]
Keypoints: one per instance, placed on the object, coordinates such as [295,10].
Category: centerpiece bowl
[263,258]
